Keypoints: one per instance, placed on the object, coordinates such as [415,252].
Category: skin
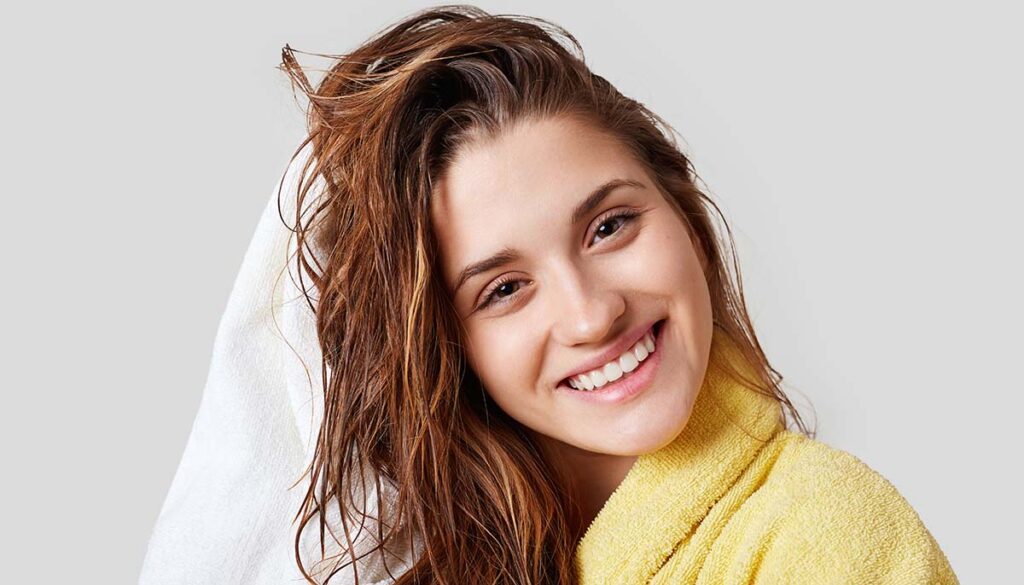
[574,292]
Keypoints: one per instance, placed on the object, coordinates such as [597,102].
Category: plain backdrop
[867,155]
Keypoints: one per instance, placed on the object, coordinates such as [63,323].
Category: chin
[647,435]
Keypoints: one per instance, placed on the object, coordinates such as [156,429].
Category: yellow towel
[718,506]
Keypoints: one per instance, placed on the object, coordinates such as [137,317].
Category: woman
[533,344]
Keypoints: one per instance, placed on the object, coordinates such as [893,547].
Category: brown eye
[492,295]
[619,220]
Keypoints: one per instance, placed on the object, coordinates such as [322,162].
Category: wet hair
[385,121]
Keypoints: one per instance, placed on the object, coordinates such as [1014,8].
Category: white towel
[228,517]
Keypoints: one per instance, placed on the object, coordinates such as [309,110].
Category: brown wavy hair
[384,121]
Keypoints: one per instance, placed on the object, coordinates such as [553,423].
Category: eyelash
[626,215]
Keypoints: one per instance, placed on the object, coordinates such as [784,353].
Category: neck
[591,477]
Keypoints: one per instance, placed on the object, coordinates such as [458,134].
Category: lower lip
[625,387]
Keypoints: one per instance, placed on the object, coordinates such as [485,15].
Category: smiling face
[574,291]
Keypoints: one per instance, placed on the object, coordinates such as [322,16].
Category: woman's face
[585,278]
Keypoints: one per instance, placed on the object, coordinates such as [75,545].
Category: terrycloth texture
[717,505]
[228,515]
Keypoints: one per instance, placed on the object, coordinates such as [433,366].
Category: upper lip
[620,346]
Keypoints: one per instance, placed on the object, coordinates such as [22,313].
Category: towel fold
[227,517]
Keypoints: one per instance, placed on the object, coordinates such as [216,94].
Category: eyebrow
[508,255]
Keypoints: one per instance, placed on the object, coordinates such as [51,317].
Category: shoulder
[838,520]
[815,471]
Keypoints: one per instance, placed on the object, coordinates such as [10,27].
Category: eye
[620,219]
[624,217]
[492,294]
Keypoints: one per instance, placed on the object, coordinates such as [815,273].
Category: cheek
[665,262]
[669,269]
[497,358]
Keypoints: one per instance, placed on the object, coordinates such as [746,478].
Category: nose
[585,307]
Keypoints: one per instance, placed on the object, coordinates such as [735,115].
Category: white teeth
[640,351]
[587,384]
[628,361]
[613,370]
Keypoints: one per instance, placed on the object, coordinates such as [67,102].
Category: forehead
[511,190]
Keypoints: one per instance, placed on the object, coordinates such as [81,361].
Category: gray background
[867,156]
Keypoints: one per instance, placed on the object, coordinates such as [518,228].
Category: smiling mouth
[655,329]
